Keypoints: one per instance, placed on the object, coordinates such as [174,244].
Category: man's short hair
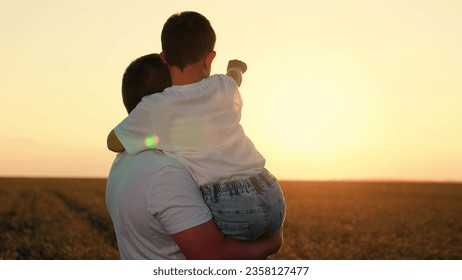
[145,75]
[186,38]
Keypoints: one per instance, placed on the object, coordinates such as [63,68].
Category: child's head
[145,75]
[186,38]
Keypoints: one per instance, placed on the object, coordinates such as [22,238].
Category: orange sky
[334,90]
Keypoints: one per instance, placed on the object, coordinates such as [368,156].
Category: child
[197,121]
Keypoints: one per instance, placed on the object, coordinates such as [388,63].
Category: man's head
[187,38]
[144,76]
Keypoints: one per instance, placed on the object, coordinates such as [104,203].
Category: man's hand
[276,240]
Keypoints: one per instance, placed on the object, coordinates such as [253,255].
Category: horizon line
[372,180]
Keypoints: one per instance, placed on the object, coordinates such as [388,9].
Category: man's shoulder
[159,157]
[150,169]
[148,160]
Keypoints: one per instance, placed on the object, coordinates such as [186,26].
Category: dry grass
[351,220]
[55,219]
[67,219]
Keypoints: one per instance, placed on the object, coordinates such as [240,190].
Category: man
[156,208]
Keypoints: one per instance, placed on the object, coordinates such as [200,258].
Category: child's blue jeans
[247,209]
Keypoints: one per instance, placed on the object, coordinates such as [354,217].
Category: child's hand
[237,64]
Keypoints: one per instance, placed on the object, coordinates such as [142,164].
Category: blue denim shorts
[247,209]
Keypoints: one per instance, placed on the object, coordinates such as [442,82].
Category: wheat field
[67,219]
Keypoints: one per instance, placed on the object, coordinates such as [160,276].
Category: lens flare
[151,141]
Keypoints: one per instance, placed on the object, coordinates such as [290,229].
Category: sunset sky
[334,89]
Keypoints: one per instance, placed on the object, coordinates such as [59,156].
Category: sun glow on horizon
[316,105]
[351,89]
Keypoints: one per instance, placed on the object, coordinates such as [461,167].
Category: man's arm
[235,70]
[206,242]
[113,143]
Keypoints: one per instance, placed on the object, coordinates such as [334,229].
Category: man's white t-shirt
[151,196]
[199,125]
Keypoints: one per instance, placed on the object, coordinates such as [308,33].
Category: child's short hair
[186,38]
[145,75]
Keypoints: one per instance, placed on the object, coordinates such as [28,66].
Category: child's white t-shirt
[199,125]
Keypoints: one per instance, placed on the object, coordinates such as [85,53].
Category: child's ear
[209,58]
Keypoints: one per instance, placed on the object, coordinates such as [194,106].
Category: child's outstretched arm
[113,143]
[235,70]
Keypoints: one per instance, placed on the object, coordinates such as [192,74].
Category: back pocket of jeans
[240,231]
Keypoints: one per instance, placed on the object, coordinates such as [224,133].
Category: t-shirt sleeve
[135,131]
[231,86]
[176,202]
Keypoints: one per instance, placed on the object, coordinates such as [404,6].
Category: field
[67,219]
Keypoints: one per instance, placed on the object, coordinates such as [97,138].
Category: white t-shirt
[199,125]
[151,196]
